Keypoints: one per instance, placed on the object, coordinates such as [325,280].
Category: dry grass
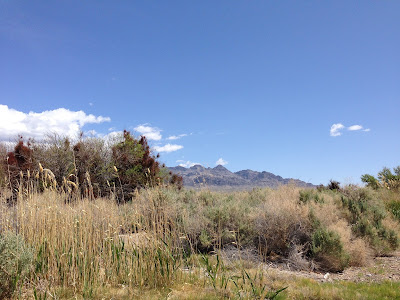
[148,246]
[79,245]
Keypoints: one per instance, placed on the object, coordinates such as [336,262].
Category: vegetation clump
[89,168]
[85,234]
[16,262]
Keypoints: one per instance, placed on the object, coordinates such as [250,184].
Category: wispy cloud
[221,162]
[187,164]
[37,125]
[355,127]
[336,129]
[167,148]
[176,137]
[151,133]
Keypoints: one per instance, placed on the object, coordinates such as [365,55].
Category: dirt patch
[381,269]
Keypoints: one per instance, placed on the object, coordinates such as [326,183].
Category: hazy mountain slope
[221,178]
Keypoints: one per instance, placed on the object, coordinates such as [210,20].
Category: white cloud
[355,127]
[167,148]
[335,129]
[221,162]
[187,164]
[37,125]
[151,133]
[176,137]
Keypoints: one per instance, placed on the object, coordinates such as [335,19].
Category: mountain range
[220,178]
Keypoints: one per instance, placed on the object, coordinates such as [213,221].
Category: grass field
[169,244]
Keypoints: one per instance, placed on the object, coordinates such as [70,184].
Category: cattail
[73,184]
[48,173]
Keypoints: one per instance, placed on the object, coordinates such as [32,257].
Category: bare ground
[386,268]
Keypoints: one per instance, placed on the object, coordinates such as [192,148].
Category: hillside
[220,178]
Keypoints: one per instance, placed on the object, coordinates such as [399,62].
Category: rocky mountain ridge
[220,178]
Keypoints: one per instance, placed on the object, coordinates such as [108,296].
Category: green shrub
[394,208]
[366,214]
[386,179]
[327,249]
[310,195]
[16,260]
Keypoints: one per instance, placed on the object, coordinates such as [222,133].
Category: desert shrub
[89,168]
[394,208]
[386,179]
[209,220]
[281,222]
[366,214]
[327,249]
[16,260]
[311,195]
[333,185]
[230,221]
[55,154]
[93,167]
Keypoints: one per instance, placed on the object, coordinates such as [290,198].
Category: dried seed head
[115,169]
[40,168]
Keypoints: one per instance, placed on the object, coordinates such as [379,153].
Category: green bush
[16,261]
[366,214]
[310,195]
[327,249]
[394,208]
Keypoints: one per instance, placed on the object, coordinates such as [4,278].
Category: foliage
[333,185]
[366,214]
[310,195]
[327,248]
[394,208]
[386,179]
[15,262]
[88,168]
[136,167]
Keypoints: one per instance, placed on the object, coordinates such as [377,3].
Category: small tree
[371,181]
[17,164]
[136,167]
[386,179]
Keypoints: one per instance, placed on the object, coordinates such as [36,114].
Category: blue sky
[254,84]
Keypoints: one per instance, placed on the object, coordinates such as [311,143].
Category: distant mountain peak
[220,178]
[221,168]
[197,167]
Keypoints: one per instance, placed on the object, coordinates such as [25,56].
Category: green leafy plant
[386,179]
[15,263]
[366,216]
